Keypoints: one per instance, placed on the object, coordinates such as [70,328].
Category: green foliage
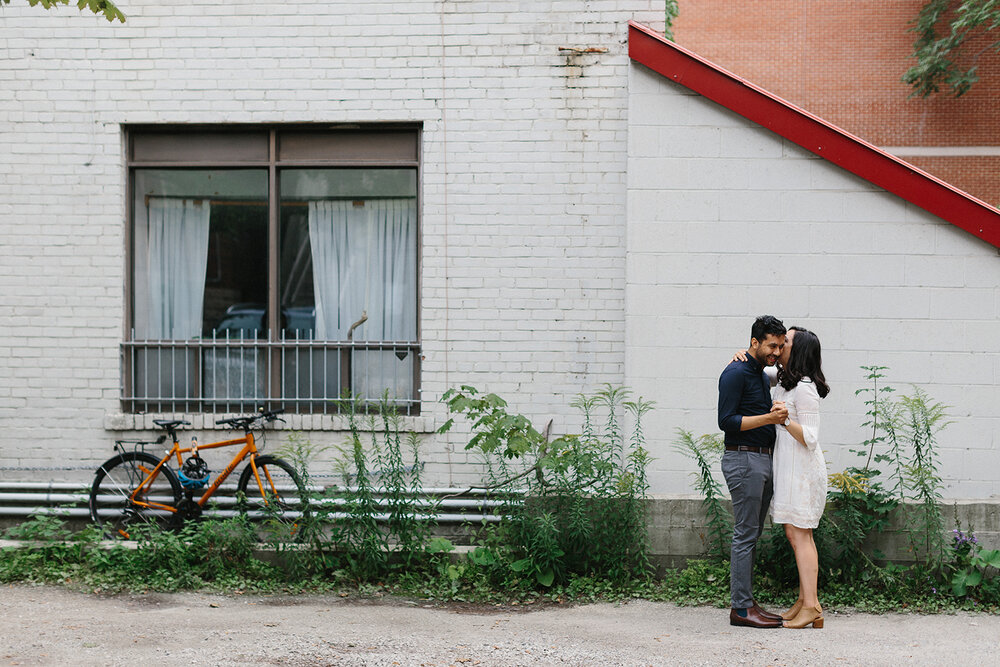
[971,565]
[671,13]
[857,507]
[388,521]
[494,429]
[943,32]
[706,451]
[921,420]
[906,431]
[104,8]
[700,582]
[573,524]
[876,400]
[584,496]
[202,554]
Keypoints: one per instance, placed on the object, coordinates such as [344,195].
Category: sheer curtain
[364,262]
[176,260]
[171,258]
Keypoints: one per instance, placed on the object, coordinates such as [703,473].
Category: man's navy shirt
[745,391]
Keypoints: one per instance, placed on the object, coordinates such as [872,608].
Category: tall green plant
[706,451]
[922,421]
[386,509]
[399,484]
[904,438]
[585,504]
[358,532]
[876,401]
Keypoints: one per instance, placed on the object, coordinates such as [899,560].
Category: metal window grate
[240,375]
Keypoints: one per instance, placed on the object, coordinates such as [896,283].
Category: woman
[799,467]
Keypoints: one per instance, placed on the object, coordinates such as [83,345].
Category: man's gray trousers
[748,475]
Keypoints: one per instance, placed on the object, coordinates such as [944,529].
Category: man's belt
[748,448]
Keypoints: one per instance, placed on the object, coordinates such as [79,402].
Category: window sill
[120,421]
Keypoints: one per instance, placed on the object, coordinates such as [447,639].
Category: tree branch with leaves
[104,8]
[944,31]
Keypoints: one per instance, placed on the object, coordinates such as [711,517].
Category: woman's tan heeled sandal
[793,611]
[807,616]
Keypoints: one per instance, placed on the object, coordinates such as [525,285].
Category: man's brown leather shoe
[765,613]
[753,619]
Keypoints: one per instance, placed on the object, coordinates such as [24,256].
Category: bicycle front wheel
[279,498]
[112,506]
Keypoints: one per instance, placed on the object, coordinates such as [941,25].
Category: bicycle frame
[249,449]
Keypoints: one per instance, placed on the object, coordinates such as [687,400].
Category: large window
[271,266]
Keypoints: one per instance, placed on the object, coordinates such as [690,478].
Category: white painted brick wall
[727,221]
[523,186]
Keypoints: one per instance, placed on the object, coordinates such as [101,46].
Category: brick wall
[843,62]
[523,187]
[728,221]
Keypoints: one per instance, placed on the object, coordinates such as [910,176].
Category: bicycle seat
[170,424]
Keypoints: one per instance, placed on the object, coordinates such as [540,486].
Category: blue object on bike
[194,473]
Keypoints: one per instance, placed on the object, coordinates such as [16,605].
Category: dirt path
[53,626]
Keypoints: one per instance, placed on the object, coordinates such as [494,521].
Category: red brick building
[844,63]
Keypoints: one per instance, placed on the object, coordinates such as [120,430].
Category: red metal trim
[814,134]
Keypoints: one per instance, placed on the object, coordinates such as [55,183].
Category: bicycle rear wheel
[111,504]
[280,499]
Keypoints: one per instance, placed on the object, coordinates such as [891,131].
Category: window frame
[288,146]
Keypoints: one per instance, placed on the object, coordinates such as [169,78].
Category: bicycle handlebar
[246,422]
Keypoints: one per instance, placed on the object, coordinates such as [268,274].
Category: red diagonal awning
[813,133]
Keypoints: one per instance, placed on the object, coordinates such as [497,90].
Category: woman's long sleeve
[807,412]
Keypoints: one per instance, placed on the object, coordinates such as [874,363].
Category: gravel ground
[55,626]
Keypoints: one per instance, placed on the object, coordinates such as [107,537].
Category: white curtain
[176,260]
[364,261]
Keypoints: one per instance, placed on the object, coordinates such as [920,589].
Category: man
[747,416]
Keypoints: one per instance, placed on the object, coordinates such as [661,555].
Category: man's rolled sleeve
[730,392]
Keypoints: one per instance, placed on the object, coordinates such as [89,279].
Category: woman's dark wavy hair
[805,360]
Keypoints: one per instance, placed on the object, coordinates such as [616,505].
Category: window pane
[348,272]
[200,258]
[359,226]
[200,253]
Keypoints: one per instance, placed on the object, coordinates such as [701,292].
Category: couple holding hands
[772,451]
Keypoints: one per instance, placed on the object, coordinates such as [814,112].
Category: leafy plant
[100,7]
[875,401]
[922,421]
[494,429]
[943,31]
[706,451]
[857,507]
[971,562]
[389,520]
[672,12]
[583,507]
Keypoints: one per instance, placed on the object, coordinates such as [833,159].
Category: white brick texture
[727,221]
[523,188]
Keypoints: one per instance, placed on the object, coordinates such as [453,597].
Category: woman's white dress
[799,470]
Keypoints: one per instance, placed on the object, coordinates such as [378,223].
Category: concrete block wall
[727,221]
[523,107]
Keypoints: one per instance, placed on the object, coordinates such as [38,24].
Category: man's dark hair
[766,325]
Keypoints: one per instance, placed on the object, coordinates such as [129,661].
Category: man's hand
[777,415]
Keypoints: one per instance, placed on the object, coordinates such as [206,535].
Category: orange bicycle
[137,488]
